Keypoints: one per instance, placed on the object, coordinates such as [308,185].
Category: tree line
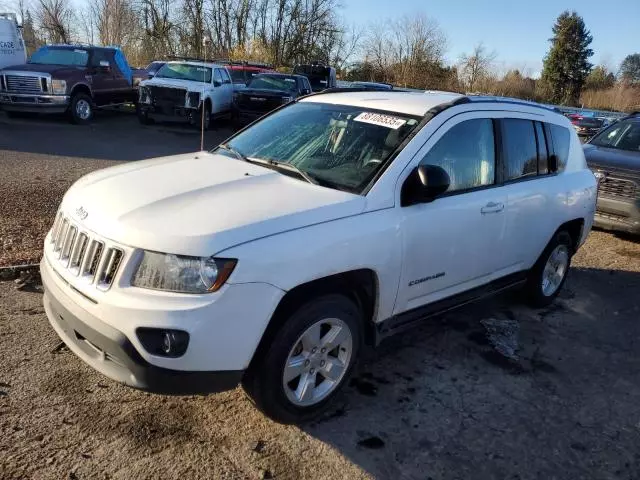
[408,52]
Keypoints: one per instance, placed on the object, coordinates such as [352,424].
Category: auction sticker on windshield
[380,119]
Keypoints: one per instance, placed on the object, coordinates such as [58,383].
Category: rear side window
[560,138]
[520,149]
[467,153]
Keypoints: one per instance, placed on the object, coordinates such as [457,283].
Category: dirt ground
[438,402]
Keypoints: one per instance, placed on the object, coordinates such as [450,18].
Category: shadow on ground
[440,402]
[113,135]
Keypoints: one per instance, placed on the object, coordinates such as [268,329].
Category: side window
[520,151]
[225,76]
[217,76]
[467,153]
[561,138]
[543,154]
[98,56]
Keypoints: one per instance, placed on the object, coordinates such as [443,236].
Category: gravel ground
[41,158]
[440,402]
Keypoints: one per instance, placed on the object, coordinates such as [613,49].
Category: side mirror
[424,184]
[104,66]
[306,91]
[553,163]
[217,83]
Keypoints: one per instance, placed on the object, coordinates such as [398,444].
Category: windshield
[185,71]
[590,122]
[318,83]
[340,146]
[237,76]
[624,135]
[60,56]
[267,82]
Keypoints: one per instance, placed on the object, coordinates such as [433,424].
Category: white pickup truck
[329,224]
[192,91]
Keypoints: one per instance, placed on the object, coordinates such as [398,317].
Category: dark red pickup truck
[69,79]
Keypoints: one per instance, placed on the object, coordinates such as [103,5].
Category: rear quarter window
[560,139]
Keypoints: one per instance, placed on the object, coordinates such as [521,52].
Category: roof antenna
[205,42]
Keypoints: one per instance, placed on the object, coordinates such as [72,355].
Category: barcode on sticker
[380,119]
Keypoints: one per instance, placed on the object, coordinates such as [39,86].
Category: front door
[102,79]
[454,243]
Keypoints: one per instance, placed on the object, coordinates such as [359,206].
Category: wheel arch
[574,228]
[360,286]
[81,88]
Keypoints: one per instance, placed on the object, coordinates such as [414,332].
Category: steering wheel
[373,161]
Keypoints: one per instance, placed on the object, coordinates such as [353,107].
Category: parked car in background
[191,91]
[243,72]
[153,68]
[69,78]
[586,126]
[371,85]
[614,157]
[12,49]
[267,91]
[330,224]
[320,76]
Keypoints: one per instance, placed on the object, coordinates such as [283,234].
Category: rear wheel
[81,109]
[550,271]
[308,361]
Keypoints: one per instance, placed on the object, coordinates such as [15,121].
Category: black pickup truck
[70,79]
[265,92]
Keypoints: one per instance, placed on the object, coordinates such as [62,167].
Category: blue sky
[517,30]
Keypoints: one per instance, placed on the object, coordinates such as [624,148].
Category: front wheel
[204,117]
[550,271]
[81,109]
[308,361]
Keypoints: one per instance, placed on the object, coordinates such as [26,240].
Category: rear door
[535,196]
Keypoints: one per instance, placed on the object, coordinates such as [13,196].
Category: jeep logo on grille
[81,213]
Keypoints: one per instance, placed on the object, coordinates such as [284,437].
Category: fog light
[164,343]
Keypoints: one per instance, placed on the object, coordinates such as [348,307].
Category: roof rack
[514,101]
[245,63]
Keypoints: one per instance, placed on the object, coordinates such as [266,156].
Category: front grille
[258,103]
[84,254]
[22,84]
[618,187]
[164,94]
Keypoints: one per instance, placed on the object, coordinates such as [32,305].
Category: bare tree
[55,19]
[476,66]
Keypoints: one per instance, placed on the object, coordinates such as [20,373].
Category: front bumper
[168,113]
[22,102]
[223,334]
[618,215]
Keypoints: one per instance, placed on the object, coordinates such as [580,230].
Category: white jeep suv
[329,224]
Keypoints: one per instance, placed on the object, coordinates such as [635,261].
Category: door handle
[492,207]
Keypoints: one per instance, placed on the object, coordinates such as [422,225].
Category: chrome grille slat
[618,187]
[83,254]
[23,84]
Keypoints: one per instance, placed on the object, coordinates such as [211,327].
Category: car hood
[612,157]
[175,83]
[45,68]
[199,203]
[266,92]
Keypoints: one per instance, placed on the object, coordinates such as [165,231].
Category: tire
[206,117]
[143,116]
[539,290]
[81,109]
[265,382]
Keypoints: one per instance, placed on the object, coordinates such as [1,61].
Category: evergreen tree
[567,66]
[630,69]
[599,79]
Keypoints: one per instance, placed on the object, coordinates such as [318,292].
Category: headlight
[286,99]
[193,100]
[179,273]
[58,87]
[144,95]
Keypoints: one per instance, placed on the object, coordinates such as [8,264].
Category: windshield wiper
[237,154]
[284,166]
